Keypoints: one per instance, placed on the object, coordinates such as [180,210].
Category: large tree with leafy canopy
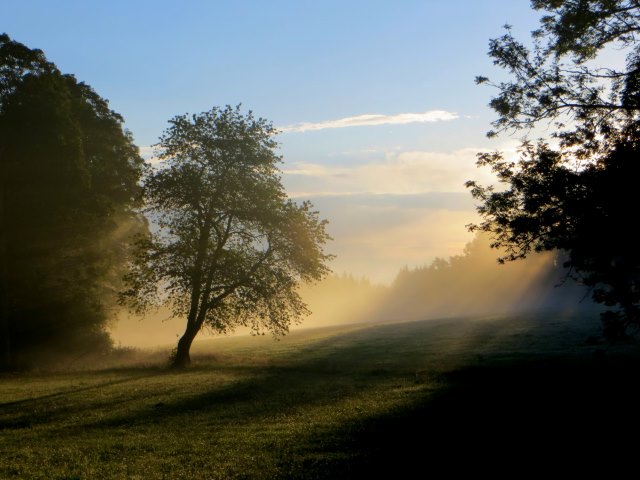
[69,177]
[230,248]
[575,191]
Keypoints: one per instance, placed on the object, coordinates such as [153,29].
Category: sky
[379,114]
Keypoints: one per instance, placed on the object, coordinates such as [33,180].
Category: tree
[230,248]
[563,82]
[68,191]
[576,196]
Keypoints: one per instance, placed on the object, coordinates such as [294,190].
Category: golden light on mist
[471,284]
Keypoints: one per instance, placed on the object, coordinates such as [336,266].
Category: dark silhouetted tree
[561,80]
[230,248]
[579,195]
[68,188]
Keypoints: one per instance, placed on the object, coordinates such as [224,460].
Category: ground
[532,392]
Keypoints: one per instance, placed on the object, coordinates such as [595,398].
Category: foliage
[576,196]
[17,61]
[230,249]
[68,187]
[563,81]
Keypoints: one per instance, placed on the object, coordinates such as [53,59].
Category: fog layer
[469,284]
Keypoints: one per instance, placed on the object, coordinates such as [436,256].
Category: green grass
[341,402]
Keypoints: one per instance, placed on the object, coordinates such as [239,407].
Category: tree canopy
[563,79]
[69,188]
[577,193]
[230,248]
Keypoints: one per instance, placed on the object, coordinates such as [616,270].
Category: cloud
[373,120]
[411,172]
[147,152]
[400,208]
[375,235]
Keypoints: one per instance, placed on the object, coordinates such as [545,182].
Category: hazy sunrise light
[364,239]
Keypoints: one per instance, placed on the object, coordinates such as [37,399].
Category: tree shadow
[37,410]
[463,413]
[563,414]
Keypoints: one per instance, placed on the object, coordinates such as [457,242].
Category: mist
[470,284]
[474,283]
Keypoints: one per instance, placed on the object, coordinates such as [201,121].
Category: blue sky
[390,185]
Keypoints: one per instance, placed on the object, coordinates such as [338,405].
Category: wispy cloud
[410,172]
[148,153]
[373,120]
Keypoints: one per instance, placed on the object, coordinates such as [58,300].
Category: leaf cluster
[561,79]
[69,192]
[230,248]
[579,195]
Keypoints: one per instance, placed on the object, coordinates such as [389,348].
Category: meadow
[356,401]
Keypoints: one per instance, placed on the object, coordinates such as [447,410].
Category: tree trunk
[182,358]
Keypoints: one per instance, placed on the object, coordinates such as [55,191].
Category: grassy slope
[344,402]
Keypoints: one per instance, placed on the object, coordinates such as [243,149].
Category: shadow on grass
[509,403]
[459,417]
[37,410]
[564,414]
[264,393]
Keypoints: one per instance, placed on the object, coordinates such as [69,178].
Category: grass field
[361,401]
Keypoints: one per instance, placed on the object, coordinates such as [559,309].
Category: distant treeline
[472,283]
